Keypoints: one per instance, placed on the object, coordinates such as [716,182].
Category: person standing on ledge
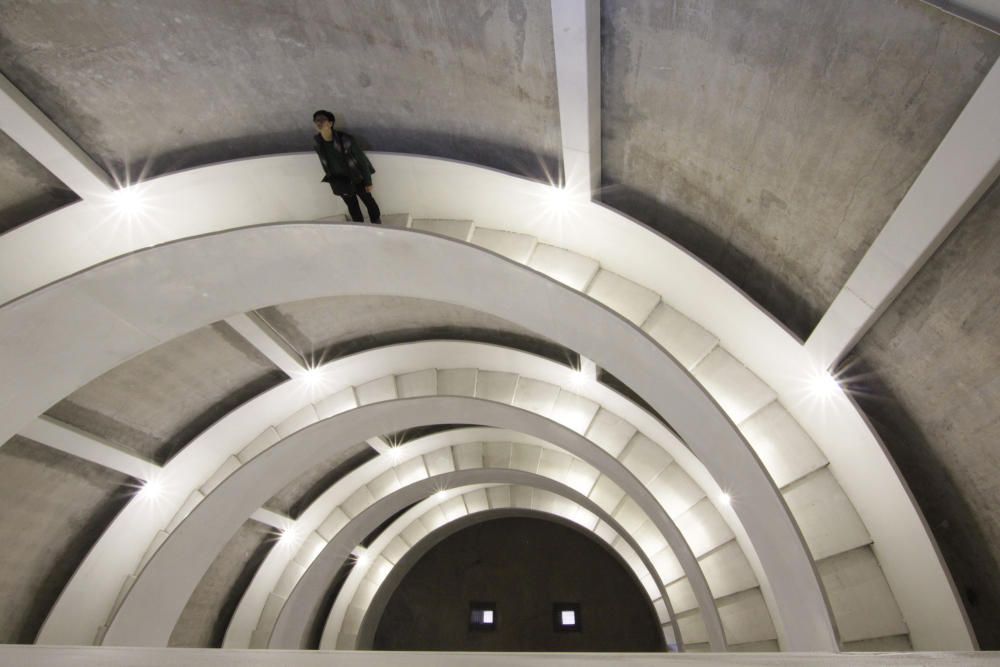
[348,170]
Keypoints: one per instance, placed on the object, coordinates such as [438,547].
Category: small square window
[566,617]
[482,616]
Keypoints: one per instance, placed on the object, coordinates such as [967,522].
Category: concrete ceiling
[28,189]
[158,87]
[154,404]
[775,139]
[53,507]
[771,139]
[927,376]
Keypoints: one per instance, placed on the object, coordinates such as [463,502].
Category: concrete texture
[205,617]
[53,507]
[774,139]
[297,496]
[324,329]
[927,377]
[495,561]
[28,190]
[156,403]
[163,86]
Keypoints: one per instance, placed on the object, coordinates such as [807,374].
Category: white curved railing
[593,414]
[311,260]
[421,459]
[71,239]
[151,608]
[247,431]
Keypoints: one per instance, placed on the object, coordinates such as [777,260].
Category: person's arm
[366,166]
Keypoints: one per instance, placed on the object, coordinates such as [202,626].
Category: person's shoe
[376,222]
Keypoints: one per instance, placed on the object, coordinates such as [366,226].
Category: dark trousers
[374,214]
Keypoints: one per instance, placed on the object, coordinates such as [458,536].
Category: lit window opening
[482,616]
[566,617]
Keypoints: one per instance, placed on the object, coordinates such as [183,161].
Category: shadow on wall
[755,279]
[235,593]
[966,550]
[26,211]
[85,531]
[523,566]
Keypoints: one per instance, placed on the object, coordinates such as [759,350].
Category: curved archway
[365,633]
[578,560]
[905,547]
[290,627]
[174,570]
[807,621]
[281,406]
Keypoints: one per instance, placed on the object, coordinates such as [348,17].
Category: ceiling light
[152,489]
[289,536]
[128,201]
[442,494]
[725,499]
[558,198]
[311,376]
[824,385]
[577,379]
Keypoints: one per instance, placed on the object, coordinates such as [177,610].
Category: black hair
[325,114]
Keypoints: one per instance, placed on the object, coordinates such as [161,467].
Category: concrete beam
[73,441]
[25,123]
[273,519]
[268,343]
[576,36]
[962,168]
[983,13]
[379,444]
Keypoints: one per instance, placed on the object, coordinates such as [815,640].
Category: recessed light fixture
[559,198]
[289,536]
[128,202]
[482,615]
[152,489]
[824,385]
[566,617]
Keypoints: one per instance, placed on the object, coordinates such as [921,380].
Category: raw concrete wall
[160,86]
[154,404]
[206,616]
[28,190]
[932,391]
[774,139]
[53,507]
[297,496]
[524,566]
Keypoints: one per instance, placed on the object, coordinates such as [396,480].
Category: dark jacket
[346,167]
